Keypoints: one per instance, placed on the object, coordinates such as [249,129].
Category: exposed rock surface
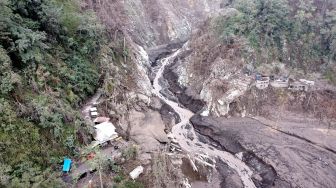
[169,116]
[147,129]
[208,75]
[189,100]
[148,30]
[229,177]
[160,51]
[154,22]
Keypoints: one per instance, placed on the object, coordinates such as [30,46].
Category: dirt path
[89,104]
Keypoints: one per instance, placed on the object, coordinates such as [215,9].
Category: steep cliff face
[154,22]
[143,29]
[211,71]
[146,26]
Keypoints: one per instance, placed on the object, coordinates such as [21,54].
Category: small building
[136,172]
[262,82]
[280,82]
[307,82]
[298,86]
[66,165]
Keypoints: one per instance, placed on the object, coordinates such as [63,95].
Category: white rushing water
[195,147]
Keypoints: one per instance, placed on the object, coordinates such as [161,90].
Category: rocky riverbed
[190,141]
[287,149]
[282,143]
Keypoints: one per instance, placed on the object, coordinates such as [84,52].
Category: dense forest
[48,65]
[300,33]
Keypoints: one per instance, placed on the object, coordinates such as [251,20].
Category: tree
[294,32]
[7,76]
[48,66]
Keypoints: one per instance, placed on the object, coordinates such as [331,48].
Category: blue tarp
[66,165]
[258,77]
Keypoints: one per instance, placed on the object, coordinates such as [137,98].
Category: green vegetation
[300,33]
[50,61]
[131,184]
[330,75]
[107,168]
[130,153]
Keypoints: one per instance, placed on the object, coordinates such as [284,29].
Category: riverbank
[284,153]
[189,140]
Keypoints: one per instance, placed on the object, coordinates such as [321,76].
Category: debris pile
[174,145]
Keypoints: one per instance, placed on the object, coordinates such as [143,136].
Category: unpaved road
[194,146]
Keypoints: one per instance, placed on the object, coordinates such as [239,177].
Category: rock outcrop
[154,22]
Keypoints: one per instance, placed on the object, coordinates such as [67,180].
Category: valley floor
[300,150]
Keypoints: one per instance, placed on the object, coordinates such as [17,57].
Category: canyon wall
[154,22]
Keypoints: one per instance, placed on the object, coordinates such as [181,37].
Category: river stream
[194,147]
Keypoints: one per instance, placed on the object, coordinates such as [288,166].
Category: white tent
[105,132]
